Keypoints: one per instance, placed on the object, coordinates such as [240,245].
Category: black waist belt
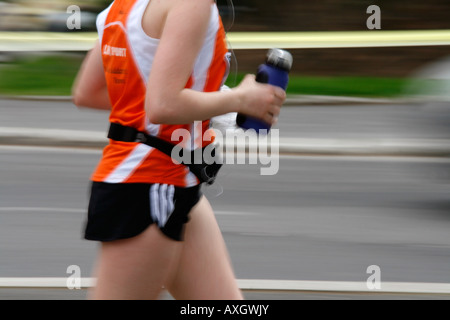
[205,172]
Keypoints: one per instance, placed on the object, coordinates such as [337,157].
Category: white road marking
[344,286]
[263,285]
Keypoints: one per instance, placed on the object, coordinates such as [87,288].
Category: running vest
[128,54]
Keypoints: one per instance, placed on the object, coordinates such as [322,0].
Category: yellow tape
[350,39]
[47,41]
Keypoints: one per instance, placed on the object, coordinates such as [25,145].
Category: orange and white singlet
[128,54]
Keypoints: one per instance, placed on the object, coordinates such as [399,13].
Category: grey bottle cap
[280,59]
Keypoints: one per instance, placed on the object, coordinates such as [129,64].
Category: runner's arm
[167,99]
[89,89]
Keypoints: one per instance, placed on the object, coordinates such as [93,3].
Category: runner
[158,66]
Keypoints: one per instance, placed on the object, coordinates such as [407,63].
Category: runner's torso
[128,54]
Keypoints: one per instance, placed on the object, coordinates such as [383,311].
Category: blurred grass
[39,75]
[54,75]
[341,86]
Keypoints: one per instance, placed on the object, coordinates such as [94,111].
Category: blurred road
[322,218]
[379,121]
[381,129]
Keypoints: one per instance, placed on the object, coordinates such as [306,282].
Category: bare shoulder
[155,16]
[191,4]
[187,2]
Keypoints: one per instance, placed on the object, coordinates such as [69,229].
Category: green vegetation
[54,75]
[39,75]
[341,86]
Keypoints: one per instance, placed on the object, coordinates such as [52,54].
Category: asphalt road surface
[319,218]
[334,121]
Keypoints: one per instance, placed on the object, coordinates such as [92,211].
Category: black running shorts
[121,211]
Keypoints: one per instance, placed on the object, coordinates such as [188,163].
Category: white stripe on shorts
[161,203]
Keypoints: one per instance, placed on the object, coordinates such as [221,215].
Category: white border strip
[51,41]
[262,285]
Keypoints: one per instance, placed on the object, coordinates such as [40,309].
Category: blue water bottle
[275,72]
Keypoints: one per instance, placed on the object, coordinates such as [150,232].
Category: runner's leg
[204,270]
[135,268]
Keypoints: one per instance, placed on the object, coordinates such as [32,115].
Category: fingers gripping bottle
[274,71]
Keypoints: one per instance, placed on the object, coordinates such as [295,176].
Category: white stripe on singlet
[130,164]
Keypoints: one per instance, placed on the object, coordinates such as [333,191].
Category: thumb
[250,77]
